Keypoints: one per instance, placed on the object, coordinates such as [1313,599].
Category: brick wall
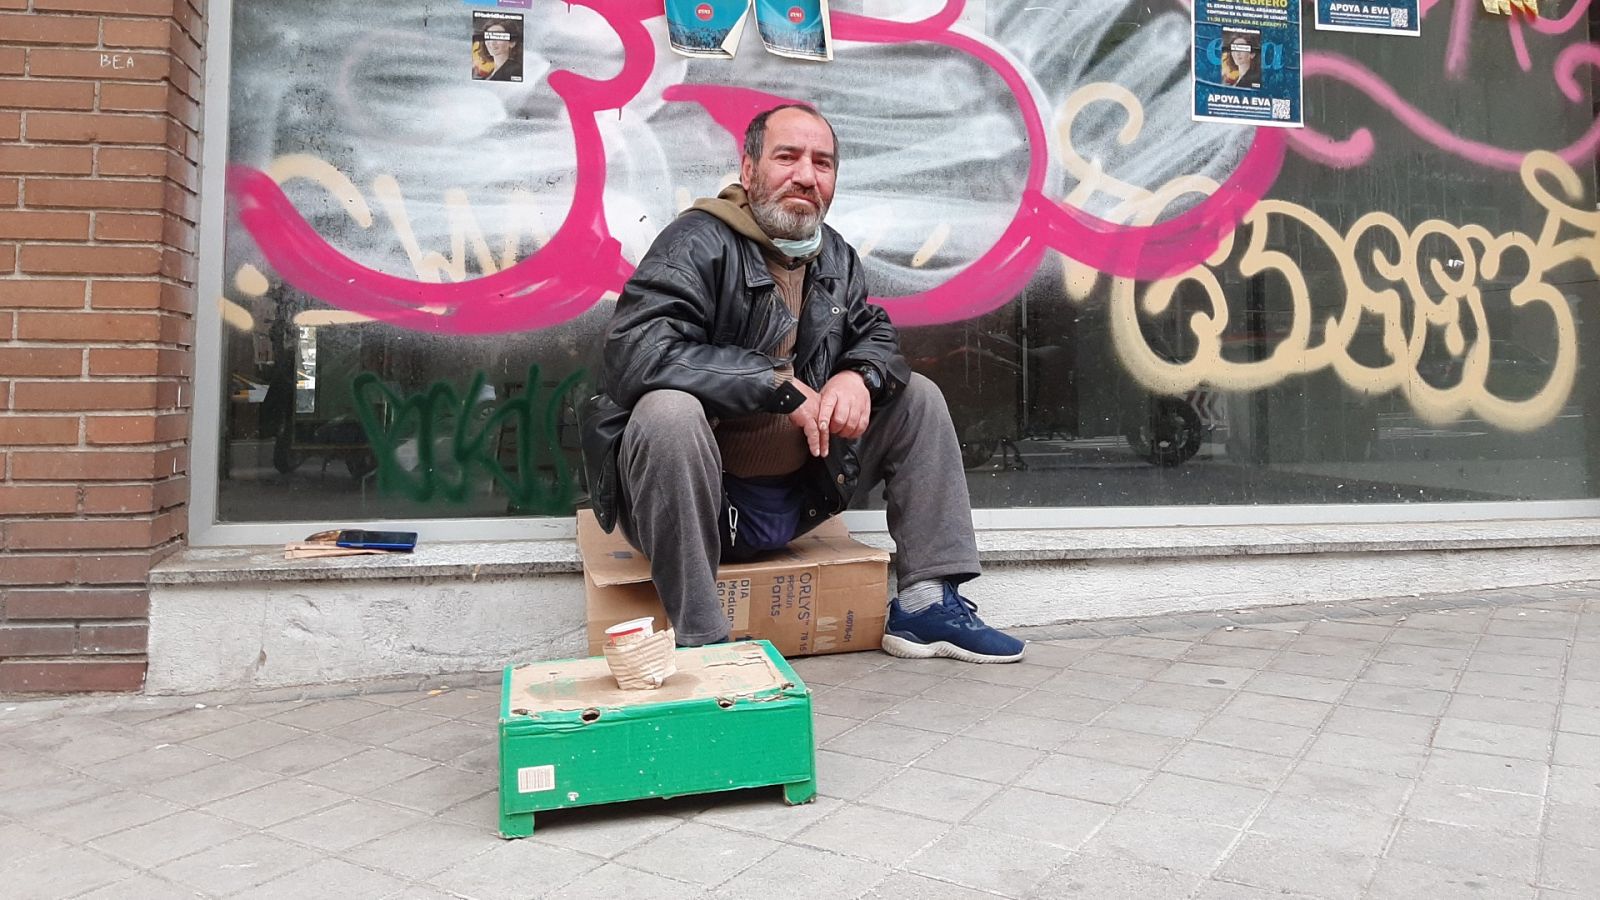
[99,153]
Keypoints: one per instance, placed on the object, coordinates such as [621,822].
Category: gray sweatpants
[671,493]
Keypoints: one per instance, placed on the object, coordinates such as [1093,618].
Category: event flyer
[1389,17]
[706,28]
[1246,62]
[795,28]
[799,29]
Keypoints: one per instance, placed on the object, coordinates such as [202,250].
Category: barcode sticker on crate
[535,779]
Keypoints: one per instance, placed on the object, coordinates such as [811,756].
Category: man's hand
[846,407]
[804,417]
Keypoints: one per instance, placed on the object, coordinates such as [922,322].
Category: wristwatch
[786,399]
[869,377]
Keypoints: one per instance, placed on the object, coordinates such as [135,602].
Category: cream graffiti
[1407,309]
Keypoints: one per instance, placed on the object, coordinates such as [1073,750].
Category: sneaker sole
[899,646]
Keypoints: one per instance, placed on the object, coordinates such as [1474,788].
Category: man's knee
[669,422]
[923,400]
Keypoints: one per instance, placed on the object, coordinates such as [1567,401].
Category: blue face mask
[800,249]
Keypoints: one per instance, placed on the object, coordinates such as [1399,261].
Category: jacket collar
[829,263]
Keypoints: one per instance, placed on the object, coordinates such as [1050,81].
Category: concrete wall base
[255,635]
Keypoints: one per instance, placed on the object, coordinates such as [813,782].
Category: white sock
[916,597]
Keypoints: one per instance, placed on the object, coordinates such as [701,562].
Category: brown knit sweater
[764,444]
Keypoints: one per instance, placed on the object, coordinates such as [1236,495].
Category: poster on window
[502,4]
[1246,62]
[798,29]
[706,28]
[1396,17]
[496,46]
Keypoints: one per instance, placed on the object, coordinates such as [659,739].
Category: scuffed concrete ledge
[470,560]
[245,619]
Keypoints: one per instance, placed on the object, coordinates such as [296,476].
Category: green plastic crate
[735,716]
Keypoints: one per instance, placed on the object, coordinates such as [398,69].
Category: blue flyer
[1387,17]
[795,28]
[1246,62]
[706,28]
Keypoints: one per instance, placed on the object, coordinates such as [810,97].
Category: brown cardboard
[824,593]
[726,670]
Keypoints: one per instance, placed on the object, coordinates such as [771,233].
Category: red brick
[87,326]
[37,29]
[142,33]
[104,465]
[82,396]
[13,61]
[10,191]
[124,161]
[46,226]
[47,160]
[41,361]
[127,227]
[136,361]
[108,65]
[20,569]
[38,640]
[119,498]
[48,259]
[87,128]
[20,431]
[145,429]
[70,603]
[11,126]
[60,676]
[111,7]
[39,293]
[78,534]
[99,193]
[114,568]
[36,93]
[122,637]
[126,295]
[30,500]
[134,97]
[171,492]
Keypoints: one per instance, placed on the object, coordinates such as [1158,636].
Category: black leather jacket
[702,314]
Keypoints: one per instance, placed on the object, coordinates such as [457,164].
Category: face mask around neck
[800,249]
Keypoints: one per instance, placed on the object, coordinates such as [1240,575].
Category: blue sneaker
[949,628]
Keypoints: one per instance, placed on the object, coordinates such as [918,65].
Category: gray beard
[780,223]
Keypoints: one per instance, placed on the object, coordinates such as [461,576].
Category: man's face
[791,185]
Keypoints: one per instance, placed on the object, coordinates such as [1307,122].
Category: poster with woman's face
[1241,59]
[496,46]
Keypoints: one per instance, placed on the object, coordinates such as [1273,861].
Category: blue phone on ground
[401,541]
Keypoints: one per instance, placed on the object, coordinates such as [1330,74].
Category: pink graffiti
[1519,42]
[582,261]
[1358,148]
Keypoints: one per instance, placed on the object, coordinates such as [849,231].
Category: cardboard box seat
[824,593]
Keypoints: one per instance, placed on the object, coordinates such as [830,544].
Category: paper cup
[631,630]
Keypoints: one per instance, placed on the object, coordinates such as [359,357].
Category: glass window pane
[1123,307]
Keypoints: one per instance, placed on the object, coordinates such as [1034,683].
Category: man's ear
[747,171]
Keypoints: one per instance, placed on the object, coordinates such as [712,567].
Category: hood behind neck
[732,206]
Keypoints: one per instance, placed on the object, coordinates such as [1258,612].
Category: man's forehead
[796,129]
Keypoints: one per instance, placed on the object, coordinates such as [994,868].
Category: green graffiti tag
[431,445]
